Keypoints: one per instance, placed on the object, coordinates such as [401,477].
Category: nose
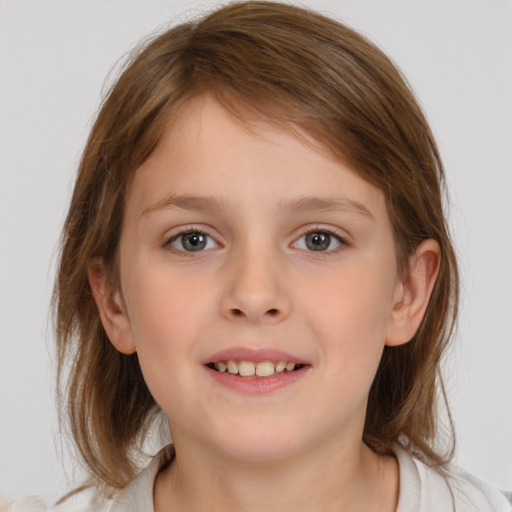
[256,289]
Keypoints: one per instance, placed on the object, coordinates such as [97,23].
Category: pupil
[318,241]
[194,241]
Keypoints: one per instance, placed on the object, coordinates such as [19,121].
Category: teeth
[280,367]
[232,367]
[250,369]
[246,368]
[265,369]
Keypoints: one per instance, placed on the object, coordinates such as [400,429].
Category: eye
[319,241]
[192,241]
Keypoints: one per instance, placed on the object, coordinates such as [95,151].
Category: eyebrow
[300,204]
[326,204]
[186,202]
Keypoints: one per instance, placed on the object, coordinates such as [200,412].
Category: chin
[259,443]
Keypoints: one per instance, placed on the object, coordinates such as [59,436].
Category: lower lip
[257,385]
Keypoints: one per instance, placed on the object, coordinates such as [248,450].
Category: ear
[413,292]
[111,307]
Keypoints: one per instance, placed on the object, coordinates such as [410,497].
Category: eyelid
[183,230]
[338,234]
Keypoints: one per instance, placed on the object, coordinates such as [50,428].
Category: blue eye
[192,241]
[319,241]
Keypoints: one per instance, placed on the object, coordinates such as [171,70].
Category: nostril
[239,313]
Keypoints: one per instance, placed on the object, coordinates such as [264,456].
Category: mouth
[255,369]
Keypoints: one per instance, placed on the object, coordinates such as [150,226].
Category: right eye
[192,241]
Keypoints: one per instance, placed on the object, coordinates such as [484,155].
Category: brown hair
[303,71]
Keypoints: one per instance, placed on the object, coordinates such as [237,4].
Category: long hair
[309,74]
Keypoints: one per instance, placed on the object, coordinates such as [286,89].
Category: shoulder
[75,504]
[423,489]
[469,490]
[136,496]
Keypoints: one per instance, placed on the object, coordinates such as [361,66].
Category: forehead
[207,151]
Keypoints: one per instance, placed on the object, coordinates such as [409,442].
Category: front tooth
[265,369]
[246,368]
[280,367]
[221,366]
[232,367]
[290,367]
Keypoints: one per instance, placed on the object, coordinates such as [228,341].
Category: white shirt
[422,489]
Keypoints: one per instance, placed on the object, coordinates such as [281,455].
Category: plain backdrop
[54,58]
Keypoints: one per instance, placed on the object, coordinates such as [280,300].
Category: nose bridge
[255,288]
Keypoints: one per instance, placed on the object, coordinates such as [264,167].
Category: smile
[256,371]
[262,369]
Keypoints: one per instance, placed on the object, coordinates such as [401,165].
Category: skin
[258,284]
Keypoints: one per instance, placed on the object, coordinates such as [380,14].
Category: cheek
[165,309]
[349,315]
[167,318]
[357,304]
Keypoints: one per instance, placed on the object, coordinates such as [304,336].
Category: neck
[328,479]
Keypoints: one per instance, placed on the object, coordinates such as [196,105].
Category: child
[256,249]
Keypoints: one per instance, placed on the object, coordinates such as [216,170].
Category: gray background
[54,57]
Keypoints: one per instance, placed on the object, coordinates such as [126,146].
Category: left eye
[319,241]
[192,241]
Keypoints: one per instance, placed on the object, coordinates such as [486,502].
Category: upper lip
[255,355]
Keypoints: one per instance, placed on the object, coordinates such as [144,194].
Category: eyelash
[186,231]
[318,230]
[342,241]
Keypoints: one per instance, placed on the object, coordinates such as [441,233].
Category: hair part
[310,74]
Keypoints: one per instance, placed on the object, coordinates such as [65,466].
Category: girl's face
[248,245]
